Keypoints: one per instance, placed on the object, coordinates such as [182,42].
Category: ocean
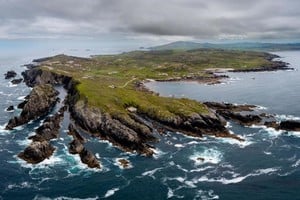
[265,166]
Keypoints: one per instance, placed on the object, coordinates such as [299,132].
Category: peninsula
[107,98]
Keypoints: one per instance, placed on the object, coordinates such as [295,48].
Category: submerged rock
[10,74]
[41,100]
[37,151]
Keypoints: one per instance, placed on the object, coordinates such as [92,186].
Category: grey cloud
[255,19]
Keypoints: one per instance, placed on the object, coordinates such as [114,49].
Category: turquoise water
[266,166]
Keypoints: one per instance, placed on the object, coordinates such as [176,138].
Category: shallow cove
[277,90]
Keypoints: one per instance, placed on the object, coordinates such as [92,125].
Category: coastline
[139,136]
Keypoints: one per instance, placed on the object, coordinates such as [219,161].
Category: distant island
[244,46]
[107,98]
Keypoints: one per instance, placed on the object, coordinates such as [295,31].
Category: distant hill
[183,45]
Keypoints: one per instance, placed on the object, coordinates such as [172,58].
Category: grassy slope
[108,82]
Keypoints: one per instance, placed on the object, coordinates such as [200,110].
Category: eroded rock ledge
[40,101]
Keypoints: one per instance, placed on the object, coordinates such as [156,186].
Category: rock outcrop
[49,129]
[289,125]
[77,147]
[40,148]
[10,108]
[242,114]
[41,100]
[10,74]
[37,151]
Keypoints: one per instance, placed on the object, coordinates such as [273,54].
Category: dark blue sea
[265,166]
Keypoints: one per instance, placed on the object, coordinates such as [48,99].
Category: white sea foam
[236,178]
[157,153]
[179,145]
[267,153]
[3,130]
[24,142]
[287,117]
[111,192]
[151,172]
[206,195]
[296,164]
[22,185]
[271,132]
[241,144]
[202,169]
[211,156]
[193,142]
[170,193]
[39,197]
[11,85]
[259,107]
[21,98]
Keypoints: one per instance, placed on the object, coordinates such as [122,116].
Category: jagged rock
[10,108]
[124,163]
[75,134]
[89,158]
[16,81]
[21,105]
[272,124]
[10,74]
[229,106]
[37,76]
[41,100]
[289,125]
[97,123]
[37,151]
[242,119]
[49,129]
[75,147]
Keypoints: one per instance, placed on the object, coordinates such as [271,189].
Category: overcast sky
[152,19]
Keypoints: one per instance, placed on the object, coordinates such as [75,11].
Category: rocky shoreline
[132,135]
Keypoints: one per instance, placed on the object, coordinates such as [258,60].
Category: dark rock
[289,125]
[21,105]
[10,74]
[16,81]
[37,151]
[75,147]
[124,163]
[37,76]
[41,100]
[10,108]
[49,129]
[229,106]
[242,119]
[272,124]
[89,158]
[75,134]
[201,159]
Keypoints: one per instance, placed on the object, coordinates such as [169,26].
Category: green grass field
[108,82]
